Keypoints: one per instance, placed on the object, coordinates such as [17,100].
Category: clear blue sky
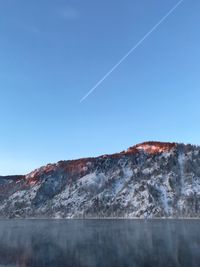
[53,51]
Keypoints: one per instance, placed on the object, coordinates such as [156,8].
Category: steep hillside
[148,180]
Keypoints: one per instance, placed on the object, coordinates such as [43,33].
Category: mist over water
[91,243]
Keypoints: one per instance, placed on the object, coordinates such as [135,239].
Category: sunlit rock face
[155,147]
[148,180]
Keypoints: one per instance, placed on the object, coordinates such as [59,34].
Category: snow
[164,199]
[181,160]
[93,180]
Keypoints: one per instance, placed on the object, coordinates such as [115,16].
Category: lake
[92,243]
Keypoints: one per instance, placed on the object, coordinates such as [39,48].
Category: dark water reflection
[92,243]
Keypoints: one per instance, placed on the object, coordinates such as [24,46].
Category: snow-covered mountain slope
[148,180]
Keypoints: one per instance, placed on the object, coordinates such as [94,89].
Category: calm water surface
[91,243]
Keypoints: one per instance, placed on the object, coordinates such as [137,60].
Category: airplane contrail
[130,52]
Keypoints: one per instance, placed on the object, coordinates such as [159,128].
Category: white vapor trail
[130,52]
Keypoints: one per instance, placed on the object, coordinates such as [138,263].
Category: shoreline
[100,219]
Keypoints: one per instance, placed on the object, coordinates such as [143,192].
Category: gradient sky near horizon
[52,52]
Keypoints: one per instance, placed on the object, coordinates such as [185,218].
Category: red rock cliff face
[153,147]
[80,167]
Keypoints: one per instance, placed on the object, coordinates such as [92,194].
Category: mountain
[149,180]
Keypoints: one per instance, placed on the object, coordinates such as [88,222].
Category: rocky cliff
[148,180]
